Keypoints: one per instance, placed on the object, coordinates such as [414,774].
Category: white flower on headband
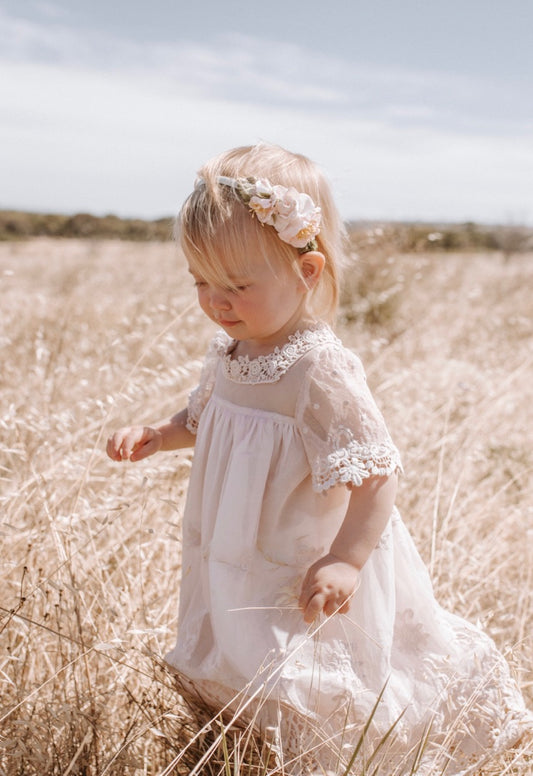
[293,215]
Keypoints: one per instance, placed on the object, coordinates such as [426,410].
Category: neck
[262,347]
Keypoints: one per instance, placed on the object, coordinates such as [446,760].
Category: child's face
[267,306]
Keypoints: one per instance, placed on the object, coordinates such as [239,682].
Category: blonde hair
[218,233]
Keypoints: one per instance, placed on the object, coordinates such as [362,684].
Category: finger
[314,607]
[144,449]
[131,441]
[113,447]
[304,593]
[110,449]
[337,605]
[345,608]
[332,606]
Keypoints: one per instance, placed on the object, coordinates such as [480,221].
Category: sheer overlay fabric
[278,439]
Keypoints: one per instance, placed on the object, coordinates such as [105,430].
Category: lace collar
[269,368]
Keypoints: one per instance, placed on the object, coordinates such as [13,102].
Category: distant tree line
[423,237]
[405,237]
[17,225]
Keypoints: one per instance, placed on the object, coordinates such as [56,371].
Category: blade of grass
[366,727]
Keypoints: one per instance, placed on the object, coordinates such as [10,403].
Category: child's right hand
[133,443]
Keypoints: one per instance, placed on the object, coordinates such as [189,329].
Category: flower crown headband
[294,215]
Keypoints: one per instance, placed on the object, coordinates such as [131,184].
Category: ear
[311,267]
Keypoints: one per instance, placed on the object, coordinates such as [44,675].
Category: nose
[218,300]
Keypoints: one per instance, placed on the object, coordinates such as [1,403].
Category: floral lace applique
[269,368]
[354,462]
[409,634]
[194,410]
[199,397]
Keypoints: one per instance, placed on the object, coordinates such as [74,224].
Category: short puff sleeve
[343,432]
[200,395]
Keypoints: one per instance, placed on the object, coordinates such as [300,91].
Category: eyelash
[202,284]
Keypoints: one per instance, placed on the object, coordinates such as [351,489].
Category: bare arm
[174,434]
[134,443]
[332,580]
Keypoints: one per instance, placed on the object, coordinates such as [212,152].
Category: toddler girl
[304,605]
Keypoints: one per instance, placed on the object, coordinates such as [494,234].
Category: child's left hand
[328,587]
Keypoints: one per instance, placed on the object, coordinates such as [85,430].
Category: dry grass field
[96,334]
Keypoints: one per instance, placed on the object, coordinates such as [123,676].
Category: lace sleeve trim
[354,463]
[194,410]
[199,397]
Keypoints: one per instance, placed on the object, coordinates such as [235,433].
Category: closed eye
[227,289]
[235,289]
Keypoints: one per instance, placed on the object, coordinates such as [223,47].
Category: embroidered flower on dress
[409,634]
[255,368]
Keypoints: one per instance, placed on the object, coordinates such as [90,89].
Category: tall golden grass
[95,334]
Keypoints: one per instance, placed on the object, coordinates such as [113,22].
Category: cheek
[203,301]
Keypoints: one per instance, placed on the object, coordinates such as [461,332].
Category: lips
[227,323]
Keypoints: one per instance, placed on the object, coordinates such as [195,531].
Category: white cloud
[245,69]
[107,125]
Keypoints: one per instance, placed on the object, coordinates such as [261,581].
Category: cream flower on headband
[293,215]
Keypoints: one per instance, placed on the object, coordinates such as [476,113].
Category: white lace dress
[278,437]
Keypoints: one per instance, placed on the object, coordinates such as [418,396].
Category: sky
[416,110]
